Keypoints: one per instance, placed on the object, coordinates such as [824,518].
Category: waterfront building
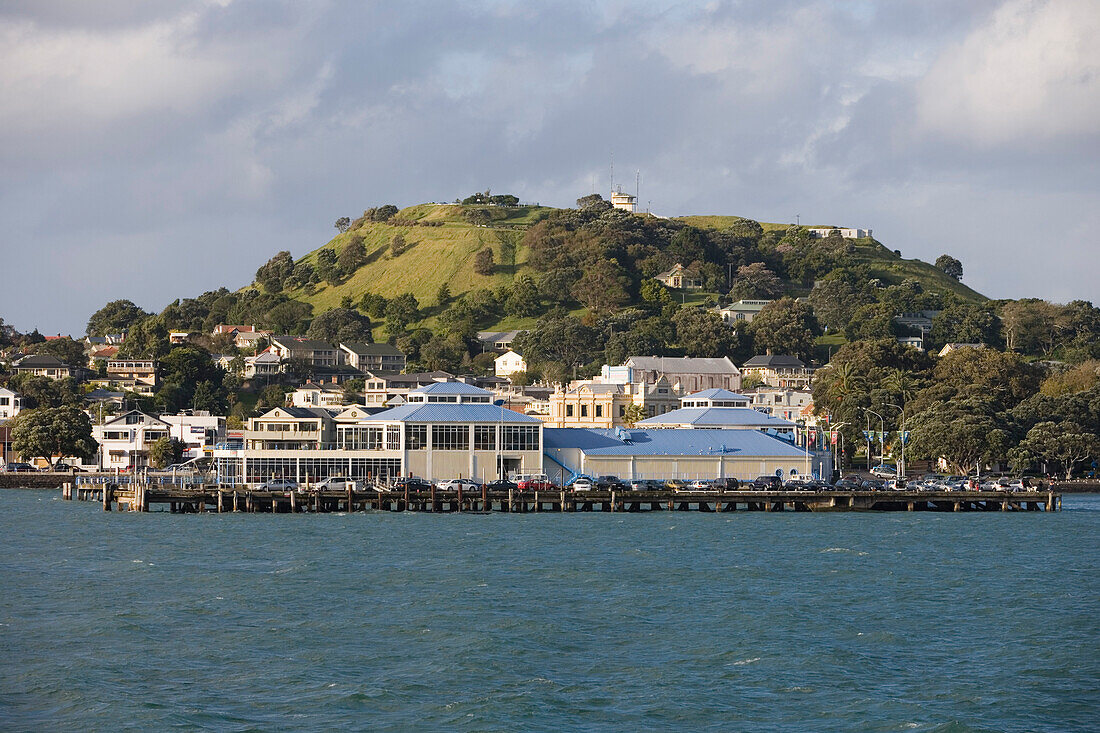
[10,403]
[198,430]
[718,409]
[779,371]
[316,395]
[124,440]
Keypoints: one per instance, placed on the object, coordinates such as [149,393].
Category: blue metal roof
[452,412]
[670,442]
[716,393]
[717,417]
[459,388]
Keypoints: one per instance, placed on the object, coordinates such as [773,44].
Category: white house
[200,432]
[509,363]
[743,311]
[10,403]
[823,232]
[124,441]
[316,395]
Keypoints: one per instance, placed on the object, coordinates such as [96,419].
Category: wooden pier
[220,499]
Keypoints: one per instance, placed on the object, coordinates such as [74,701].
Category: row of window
[457,437]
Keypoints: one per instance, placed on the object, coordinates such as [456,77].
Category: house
[178,337]
[100,354]
[788,404]
[198,430]
[389,388]
[316,353]
[948,348]
[134,375]
[682,454]
[10,404]
[373,357]
[743,311]
[680,278]
[509,363]
[917,342]
[42,365]
[823,232]
[251,340]
[265,364]
[603,404]
[919,322]
[291,429]
[316,395]
[443,430]
[779,371]
[101,400]
[686,374]
[124,441]
[498,340]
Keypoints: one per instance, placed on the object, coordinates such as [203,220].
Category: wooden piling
[293,502]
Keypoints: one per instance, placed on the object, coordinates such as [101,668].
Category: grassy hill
[443,253]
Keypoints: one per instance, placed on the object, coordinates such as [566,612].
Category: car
[726,484]
[335,483]
[581,483]
[646,484]
[18,467]
[412,484]
[848,483]
[502,484]
[457,484]
[180,468]
[610,483]
[534,482]
[884,470]
[798,485]
[767,483]
[701,485]
[279,484]
[676,484]
[873,485]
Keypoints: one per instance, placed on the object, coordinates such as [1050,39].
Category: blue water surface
[661,621]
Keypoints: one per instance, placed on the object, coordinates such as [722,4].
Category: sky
[155,150]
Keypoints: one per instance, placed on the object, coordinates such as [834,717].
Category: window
[520,437]
[485,437]
[416,437]
[116,435]
[279,426]
[599,410]
[569,410]
[584,410]
[450,437]
[3,400]
[307,427]
[393,437]
[361,438]
[622,410]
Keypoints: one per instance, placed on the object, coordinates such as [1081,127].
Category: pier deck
[198,499]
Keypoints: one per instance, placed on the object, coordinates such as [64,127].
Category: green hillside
[441,244]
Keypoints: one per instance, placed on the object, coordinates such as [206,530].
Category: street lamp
[881,433]
[837,428]
[901,436]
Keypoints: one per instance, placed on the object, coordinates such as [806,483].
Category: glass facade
[450,437]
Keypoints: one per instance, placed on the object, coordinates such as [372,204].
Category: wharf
[213,498]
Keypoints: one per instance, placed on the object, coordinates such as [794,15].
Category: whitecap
[742,662]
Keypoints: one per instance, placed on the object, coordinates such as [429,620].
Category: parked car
[455,484]
[502,484]
[873,485]
[726,484]
[701,485]
[884,470]
[646,484]
[676,484]
[849,483]
[767,483]
[412,483]
[336,483]
[17,467]
[610,483]
[279,484]
[581,483]
[534,482]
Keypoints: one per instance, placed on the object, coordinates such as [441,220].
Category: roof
[499,335]
[774,361]
[716,394]
[382,349]
[150,418]
[39,361]
[266,356]
[453,412]
[302,412]
[455,388]
[597,388]
[683,364]
[299,343]
[753,306]
[599,442]
[718,417]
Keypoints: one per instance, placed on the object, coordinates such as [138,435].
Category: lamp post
[837,428]
[881,433]
[901,435]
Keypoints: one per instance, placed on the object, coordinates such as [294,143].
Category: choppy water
[792,622]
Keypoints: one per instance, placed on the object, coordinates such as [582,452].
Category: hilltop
[442,240]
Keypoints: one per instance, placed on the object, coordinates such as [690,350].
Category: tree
[965,323]
[275,271]
[483,261]
[523,298]
[632,414]
[593,201]
[963,432]
[397,245]
[385,212]
[353,390]
[210,397]
[69,351]
[327,269]
[352,255]
[115,317]
[400,312]
[755,281]
[1066,444]
[146,339]
[166,451]
[950,265]
[374,304]
[341,324]
[561,339]
[342,224]
[46,432]
[785,326]
[602,288]
[183,370]
[1003,376]
[443,295]
[288,315]
[703,333]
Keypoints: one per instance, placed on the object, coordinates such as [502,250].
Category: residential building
[389,388]
[603,404]
[917,342]
[265,364]
[124,441]
[919,322]
[374,357]
[788,404]
[42,365]
[741,312]
[134,375]
[778,371]
[177,337]
[10,404]
[198,430]
[685,374]
[680,278]
[316,395]
[316,353]
[498,340]
[251,340]
[291,429]
[948,348]
[509,363]
[101,354]
[823,232]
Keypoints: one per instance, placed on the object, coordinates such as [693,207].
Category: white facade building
[509,363]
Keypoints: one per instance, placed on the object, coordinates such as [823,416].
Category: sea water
[551,622]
